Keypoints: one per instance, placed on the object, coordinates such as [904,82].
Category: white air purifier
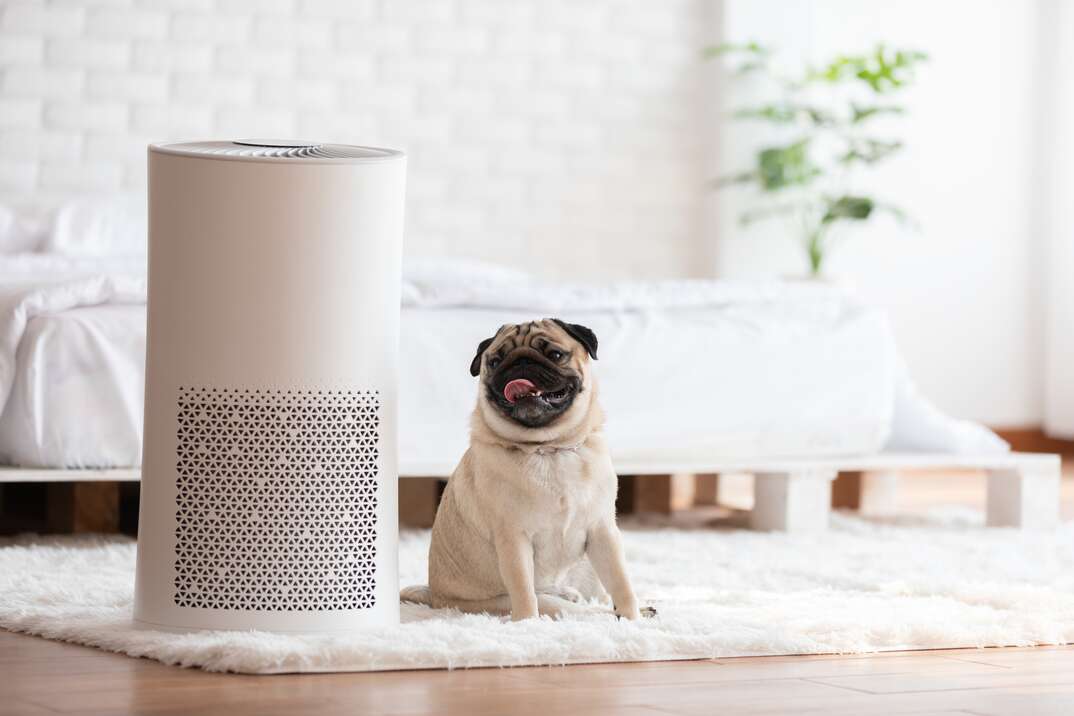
[269,478]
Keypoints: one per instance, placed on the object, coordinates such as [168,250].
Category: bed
[705,376]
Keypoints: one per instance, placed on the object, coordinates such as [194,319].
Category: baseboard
[1033,439]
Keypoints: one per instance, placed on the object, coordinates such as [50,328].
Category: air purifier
[269,478]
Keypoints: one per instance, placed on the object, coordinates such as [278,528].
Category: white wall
[574,138]
[1057,217]
[963,293]
[551,134]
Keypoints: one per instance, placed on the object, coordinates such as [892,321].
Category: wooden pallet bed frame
[789,494]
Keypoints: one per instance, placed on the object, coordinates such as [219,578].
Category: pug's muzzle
[531,391]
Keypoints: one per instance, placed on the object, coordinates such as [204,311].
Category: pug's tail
[417,595]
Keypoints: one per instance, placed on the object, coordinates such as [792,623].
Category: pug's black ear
[581,334]
[475,364]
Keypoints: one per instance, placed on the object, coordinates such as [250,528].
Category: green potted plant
[828,115]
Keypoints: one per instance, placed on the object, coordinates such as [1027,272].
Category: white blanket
[688,369]
[34,285]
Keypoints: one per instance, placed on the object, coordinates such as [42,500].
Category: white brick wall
[559,135]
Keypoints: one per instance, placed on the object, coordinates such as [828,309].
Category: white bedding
[687,368]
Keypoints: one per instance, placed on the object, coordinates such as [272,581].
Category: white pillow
[105,226]
[22,229]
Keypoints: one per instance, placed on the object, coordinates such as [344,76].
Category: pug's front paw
[524,611]
[629,611]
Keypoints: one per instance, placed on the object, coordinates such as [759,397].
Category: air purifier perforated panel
[276,506]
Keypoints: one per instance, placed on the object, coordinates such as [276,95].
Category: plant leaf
[882,70]
[750,216]
[781,167]
[753,56]
[860,114]
[732,179]
[869,151]
[787,113]
[856,208]
[728,48]
[899,215]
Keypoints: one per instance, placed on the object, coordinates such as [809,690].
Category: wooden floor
[42,677]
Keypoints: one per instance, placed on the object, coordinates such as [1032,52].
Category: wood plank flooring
[41,677]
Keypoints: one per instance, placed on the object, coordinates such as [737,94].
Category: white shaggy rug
[861,587]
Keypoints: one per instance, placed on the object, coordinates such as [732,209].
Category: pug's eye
[494,361]
[555,355]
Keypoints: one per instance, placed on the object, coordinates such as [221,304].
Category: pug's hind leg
[548,605]
[551,605]
[562,591]
[583,579]
[497,606]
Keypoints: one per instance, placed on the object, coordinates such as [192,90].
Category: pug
[526,525]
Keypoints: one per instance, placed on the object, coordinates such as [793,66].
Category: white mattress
[687,370]
[76,400]
[682,384]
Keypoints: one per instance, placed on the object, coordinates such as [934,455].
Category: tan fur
[528,516]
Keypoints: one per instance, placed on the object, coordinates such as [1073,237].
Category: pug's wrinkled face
[532,372]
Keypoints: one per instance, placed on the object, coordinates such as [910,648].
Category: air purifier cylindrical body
[269,496]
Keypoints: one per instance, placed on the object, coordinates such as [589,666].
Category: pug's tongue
[519,388]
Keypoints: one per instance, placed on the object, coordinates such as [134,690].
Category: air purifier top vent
[277,150]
